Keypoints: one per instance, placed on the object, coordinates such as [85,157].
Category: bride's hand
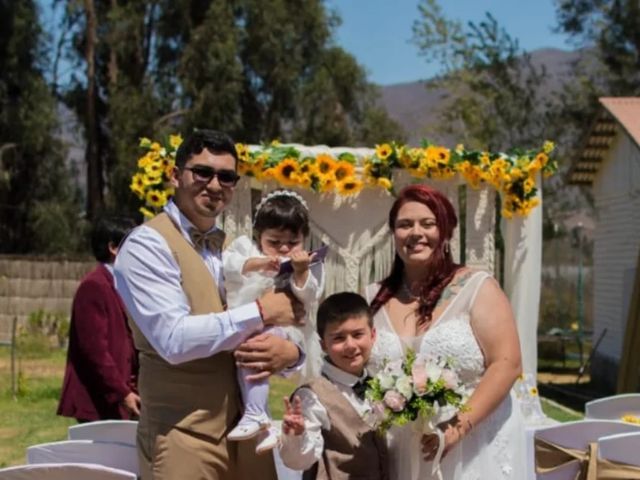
[454,430]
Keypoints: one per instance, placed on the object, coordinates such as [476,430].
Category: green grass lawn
[31,419]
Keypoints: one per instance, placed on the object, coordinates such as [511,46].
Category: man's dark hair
[340,307]
[108,230]
[212,140]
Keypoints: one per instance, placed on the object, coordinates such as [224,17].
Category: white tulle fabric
[242,289]
[495,447]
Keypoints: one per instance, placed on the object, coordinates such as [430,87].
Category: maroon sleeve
[91,324]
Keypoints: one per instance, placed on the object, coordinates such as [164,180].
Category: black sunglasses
[204,174]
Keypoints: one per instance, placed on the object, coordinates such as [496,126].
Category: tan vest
[351,449]
[200,396]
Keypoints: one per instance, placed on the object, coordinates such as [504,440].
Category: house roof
[622,111]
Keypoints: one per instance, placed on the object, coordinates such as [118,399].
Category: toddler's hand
[292,420]
[300,261]
[261,264]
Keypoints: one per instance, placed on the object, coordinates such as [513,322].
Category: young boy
[324,433]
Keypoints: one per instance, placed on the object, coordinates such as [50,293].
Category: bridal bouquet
[420,387]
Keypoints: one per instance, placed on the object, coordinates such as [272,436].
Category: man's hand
[261,264]
[281,308]
[132,403]
[266,354]
[292,420]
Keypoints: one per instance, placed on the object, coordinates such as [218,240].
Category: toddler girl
[250,268]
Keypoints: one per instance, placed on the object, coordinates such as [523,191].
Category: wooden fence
[32,283]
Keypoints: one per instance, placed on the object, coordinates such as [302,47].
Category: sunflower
[344,170]
[528,185]
[385,183]
[243,151]
[244,168]
[308,168]
[383,151]
[325,164]
[349,185]
[148,181]
[175,141]
[156,198]
[303,179]
[155,169]
[146,212]
[137,185]
[286,171]
[542,159]
[326,182]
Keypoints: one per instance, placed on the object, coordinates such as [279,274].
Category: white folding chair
[612,408]
[111,454]
[65,471]
[122,431]
[621,448]
[578,435]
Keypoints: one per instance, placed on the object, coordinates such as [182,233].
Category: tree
[259,72]
[38,206]
[495,96]
[612,29]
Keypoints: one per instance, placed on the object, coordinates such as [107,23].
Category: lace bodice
[451,335]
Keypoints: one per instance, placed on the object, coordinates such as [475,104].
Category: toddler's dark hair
[283,212]
[340,307]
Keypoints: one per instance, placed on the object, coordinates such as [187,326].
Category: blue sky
[378,32]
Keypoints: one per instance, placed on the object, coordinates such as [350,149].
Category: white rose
[434,372]
[404,386]
[386,381]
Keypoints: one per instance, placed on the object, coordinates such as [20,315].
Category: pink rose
[394,400]
[450,378]
[419,375]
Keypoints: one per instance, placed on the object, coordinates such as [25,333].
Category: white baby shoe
[247,428]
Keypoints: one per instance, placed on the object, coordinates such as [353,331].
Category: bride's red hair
[440,267]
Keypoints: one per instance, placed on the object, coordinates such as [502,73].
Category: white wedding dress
[494,449]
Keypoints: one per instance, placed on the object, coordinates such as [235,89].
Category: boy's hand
[292,420]
[261,264]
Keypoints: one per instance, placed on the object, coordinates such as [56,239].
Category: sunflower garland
[512,174]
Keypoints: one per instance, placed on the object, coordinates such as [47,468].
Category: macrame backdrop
[361,247]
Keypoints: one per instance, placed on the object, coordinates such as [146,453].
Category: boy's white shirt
[242,289]
[300,452]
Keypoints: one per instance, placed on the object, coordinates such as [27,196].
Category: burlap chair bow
[214,240]
[551,456]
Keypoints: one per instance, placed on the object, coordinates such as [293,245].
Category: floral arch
[350,191]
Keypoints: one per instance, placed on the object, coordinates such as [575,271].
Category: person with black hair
[280,226]
[169,275]
[101,370]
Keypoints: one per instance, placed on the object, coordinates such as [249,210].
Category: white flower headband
[279,193]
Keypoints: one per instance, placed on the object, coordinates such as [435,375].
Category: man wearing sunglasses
[168,273]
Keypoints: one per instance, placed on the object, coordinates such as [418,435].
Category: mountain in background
[415,106]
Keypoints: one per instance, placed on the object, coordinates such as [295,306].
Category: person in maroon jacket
[100,375]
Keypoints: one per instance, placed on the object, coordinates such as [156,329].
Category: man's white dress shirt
[300,452]
[147,277]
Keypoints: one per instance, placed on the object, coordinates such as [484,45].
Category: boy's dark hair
[108,230]
[340,307]
[283,212]
[212,140]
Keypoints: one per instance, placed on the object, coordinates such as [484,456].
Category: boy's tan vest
[200,396]
[351,449]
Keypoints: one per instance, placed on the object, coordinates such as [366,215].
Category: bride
[433,306]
